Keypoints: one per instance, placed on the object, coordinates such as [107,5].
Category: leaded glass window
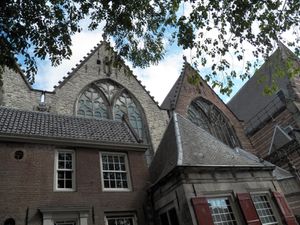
[125,105]
[105,99]
[207,116]
[92,104]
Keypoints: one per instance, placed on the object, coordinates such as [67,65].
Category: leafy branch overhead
[216,31]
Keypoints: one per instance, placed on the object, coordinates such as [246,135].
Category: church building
[99,150]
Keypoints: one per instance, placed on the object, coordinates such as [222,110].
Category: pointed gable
[189,87]
[250,99]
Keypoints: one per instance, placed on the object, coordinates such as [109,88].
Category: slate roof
[18,123]
[252,91]
[185,144]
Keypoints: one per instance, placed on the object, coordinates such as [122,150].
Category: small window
[115,171]
[221,211]
[9,221]
[65,170]
[19,155]
[263,209]
[120,220]
[169,217]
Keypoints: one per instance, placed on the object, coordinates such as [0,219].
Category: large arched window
[207,116]
[106,99]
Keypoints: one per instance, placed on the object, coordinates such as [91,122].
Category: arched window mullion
[106,100]
[206,115]
[87,101]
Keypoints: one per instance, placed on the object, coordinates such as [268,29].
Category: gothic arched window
[92,104]
[207,116]
[125,105]
[105,99]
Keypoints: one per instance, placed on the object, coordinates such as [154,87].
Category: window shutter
[248,209]
[285,209]
[202,211]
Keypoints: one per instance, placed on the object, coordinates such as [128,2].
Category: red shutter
[202,211]
[248,209]
[285,209]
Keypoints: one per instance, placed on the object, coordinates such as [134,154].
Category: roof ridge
[169,103]
[178,140]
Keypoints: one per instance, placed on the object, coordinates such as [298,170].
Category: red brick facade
[29,183]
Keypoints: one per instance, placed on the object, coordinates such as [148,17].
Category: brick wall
[261,139]
[28,183]
[189,92]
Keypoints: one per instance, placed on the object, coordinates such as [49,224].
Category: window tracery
[207,116]
[108,100]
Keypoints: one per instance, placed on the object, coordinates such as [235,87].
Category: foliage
[215,30]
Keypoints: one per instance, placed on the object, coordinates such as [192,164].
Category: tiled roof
[15,123]
[185,144]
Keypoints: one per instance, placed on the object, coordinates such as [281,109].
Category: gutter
[75,143]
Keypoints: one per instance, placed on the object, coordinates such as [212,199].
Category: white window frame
[231,204]
[274,212]
[127,173]
[57,169]
[121,215]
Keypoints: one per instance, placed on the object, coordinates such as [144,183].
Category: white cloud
[160,78]
[82,43]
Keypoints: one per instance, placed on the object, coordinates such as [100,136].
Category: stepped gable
[185,144]
[88,56]
[250,99]
[45,126]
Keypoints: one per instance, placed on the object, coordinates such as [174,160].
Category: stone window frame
[110,103]
[271,203]
[79,215]
[229,138]
[128,174]
[55,183]
[119,215]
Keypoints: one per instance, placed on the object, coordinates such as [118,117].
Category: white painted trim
[127,173]
[55,188]
[120,215]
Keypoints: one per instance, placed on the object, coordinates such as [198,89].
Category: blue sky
[158,79]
